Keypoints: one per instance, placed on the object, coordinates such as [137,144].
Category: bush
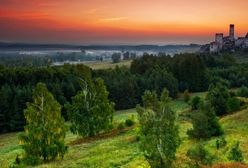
[221,142]
[129,122]
[200,155]
[233,104]
[32,160]
[243,92]
[196,102]
[186,96]
[235,153]
[121,126]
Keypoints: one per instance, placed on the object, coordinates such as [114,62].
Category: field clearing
[107,64]
[122,149]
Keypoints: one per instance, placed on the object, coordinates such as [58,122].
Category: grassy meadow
[107,64]
[121,149]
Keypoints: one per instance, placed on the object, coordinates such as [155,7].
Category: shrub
[235,154]
[186,96]
[121,126]
[196,102]
[221,142]
[233,104]
[200,155]
[129,122]
[243,92]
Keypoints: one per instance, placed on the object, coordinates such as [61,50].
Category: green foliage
[129,122]
[157,126]
[186,96]
[243,92]
[16,85]
[45,130]
[235,153]
[200,155]
[221,142]
[196,102]
[123,86]
[190,71]
[218,96]
[205,124]
[233,104]
[157,79]
[91,111]
[121,126]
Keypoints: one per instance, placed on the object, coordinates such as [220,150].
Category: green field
[121,149]
[107,64]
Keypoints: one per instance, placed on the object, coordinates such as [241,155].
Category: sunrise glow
[119,21]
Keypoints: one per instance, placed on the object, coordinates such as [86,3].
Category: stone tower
[231,32]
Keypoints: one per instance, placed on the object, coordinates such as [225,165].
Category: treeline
[126,86]
[24,60]
[16,86]
[192,72]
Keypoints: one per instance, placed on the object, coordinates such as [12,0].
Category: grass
[122,149]
[107,64]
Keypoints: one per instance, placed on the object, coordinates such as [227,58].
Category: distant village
[226,43]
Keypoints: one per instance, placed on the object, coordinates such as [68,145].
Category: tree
[91,111]
[116,57]
[126,56]
[205,124]
[158,78]
[218,96]
[159,133]
[45,129]
[190,71]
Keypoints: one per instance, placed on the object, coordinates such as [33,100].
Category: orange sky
[120,21]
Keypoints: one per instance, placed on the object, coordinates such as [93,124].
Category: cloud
[113,19]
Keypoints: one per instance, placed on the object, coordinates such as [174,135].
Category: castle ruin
[226,43]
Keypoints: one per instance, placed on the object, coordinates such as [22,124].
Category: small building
[219,40]
[213,48]
[239,42]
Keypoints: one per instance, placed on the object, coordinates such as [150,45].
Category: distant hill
[28,46]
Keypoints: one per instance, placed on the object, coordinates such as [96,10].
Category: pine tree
[159,133]
[45,128]
[205,123]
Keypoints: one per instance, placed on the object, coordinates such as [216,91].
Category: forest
[126,86]
[87,99]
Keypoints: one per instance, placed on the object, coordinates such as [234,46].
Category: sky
[120,21]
